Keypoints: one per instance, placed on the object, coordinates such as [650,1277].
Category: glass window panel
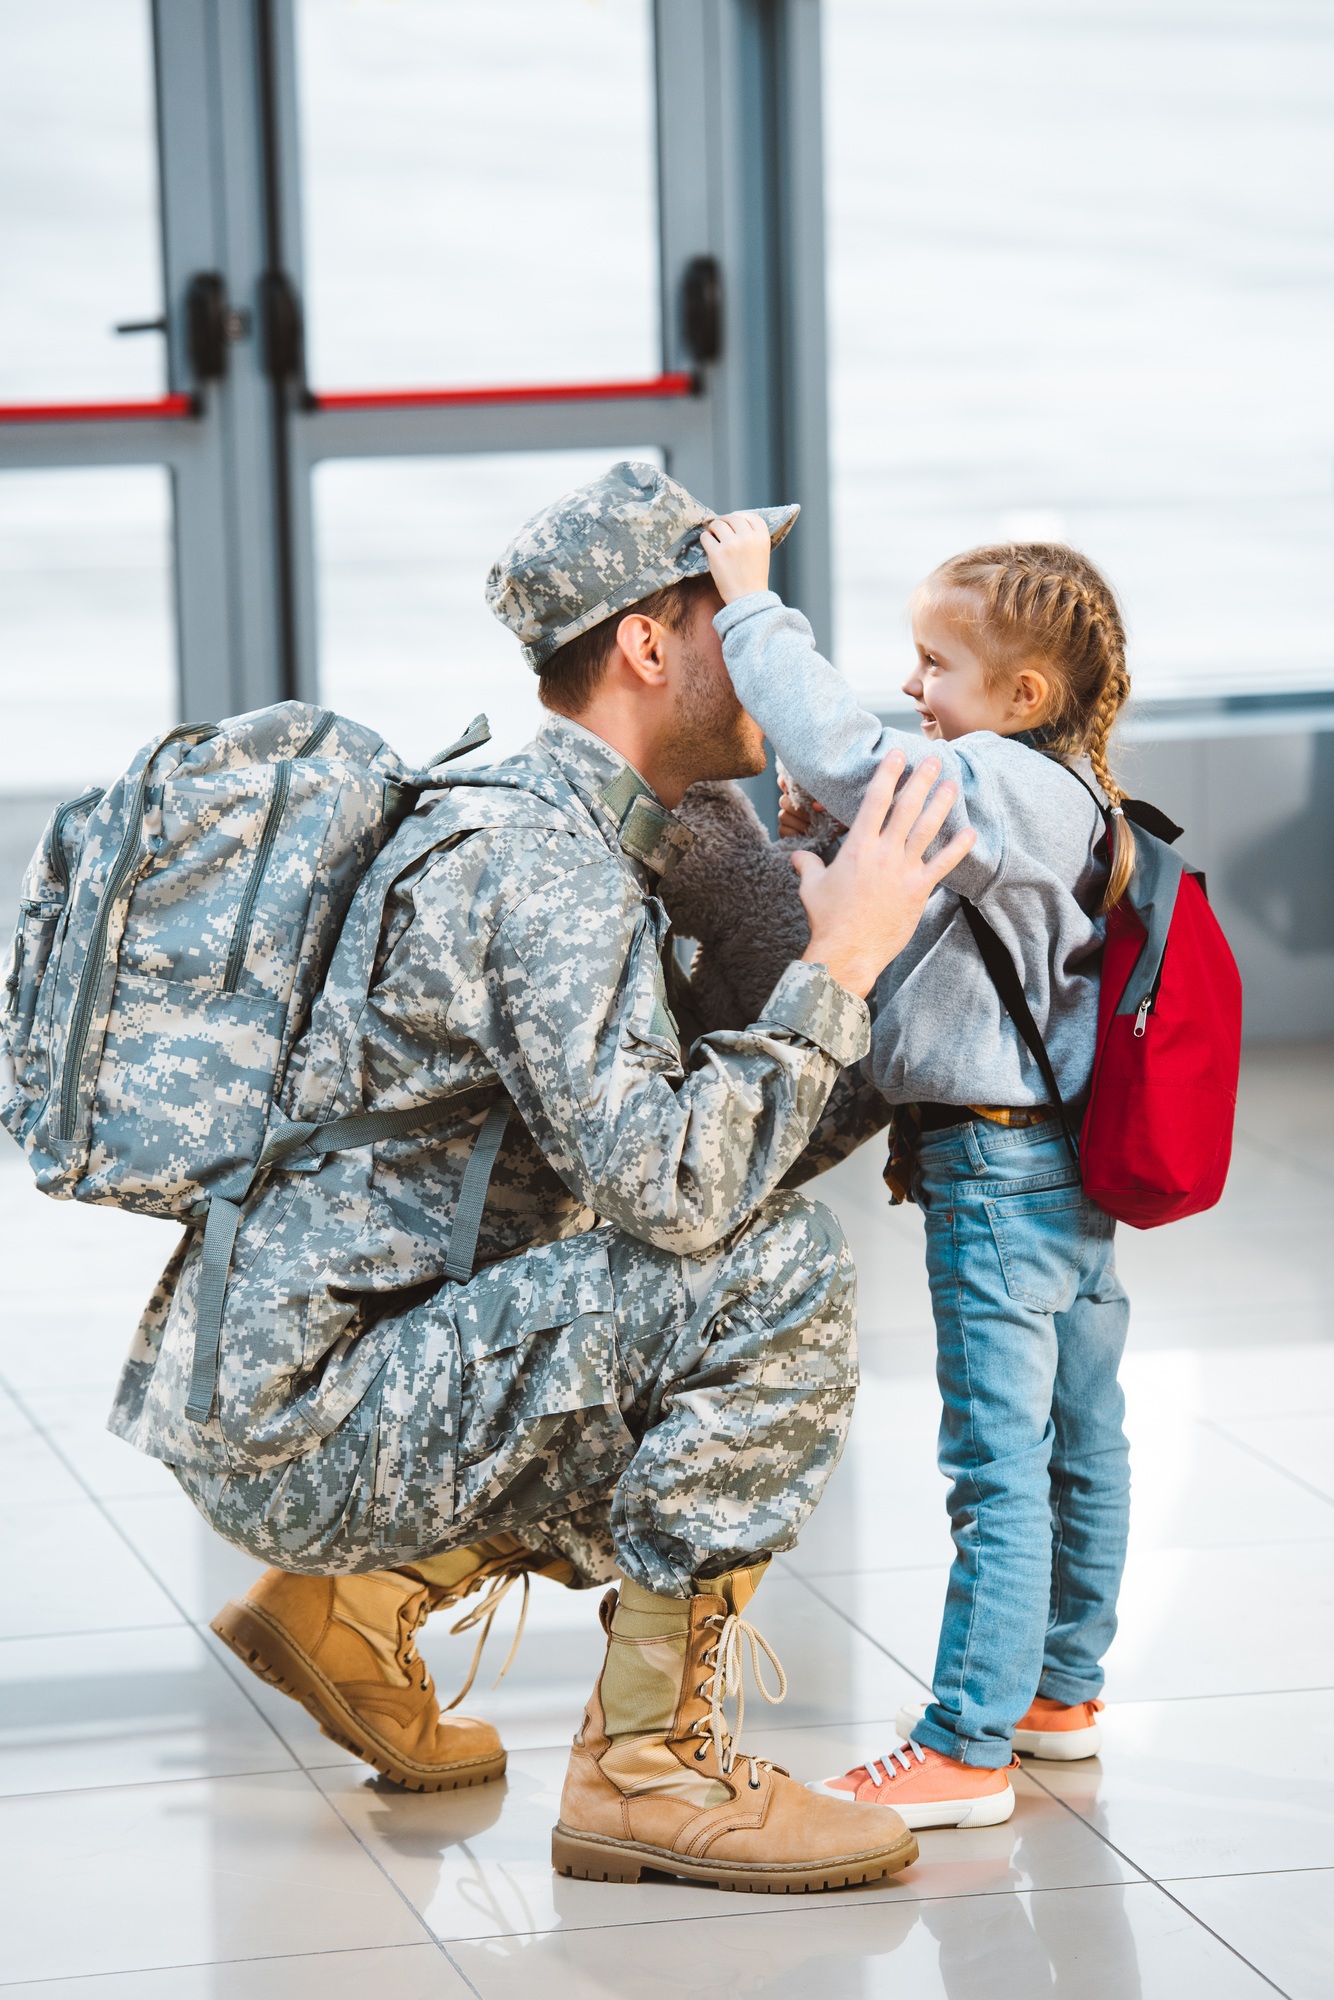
[87,642]
[403,547]
[79,245]
[479,191]
[1082,286]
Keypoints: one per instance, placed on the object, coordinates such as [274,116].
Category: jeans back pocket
[1041,1239]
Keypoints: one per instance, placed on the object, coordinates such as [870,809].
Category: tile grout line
[212,1964]
[324,1798]
[1296,1479]
[1253,1874]
[868,1898]
[838,1612]
[1161,1887]
[401,1893]
[193,1625]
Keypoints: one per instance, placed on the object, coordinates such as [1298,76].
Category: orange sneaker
[1051,1730]
[1059,1733]
[926,1788]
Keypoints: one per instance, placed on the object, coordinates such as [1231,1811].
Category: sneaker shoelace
[884,1769]
[725,1660]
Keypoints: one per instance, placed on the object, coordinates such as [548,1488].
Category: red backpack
[1157,1134]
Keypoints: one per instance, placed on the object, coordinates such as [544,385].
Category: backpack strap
[1010,988]
[462,1245]
[362,1128]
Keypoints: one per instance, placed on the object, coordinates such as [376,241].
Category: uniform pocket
[499,1398]
[1040,1239]
[539,1414]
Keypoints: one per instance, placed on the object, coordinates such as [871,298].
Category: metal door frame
[739,163]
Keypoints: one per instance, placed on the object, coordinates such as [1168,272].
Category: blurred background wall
[1058,268]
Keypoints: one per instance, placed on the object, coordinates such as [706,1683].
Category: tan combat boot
[345,1648]
[654,1782]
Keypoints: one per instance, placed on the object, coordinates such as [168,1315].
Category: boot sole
[266,1649]
[590,1858]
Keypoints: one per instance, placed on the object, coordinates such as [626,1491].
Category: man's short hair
[571,677]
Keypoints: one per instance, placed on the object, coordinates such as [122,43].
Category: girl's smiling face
[953,688]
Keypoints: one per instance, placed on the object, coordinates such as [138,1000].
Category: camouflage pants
[672,1417]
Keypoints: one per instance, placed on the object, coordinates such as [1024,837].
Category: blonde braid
[1110,703]
[1041,600]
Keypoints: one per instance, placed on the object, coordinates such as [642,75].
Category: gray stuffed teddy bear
[736,894]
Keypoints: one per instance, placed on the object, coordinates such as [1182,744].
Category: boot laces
[483,1614]
[725,1660]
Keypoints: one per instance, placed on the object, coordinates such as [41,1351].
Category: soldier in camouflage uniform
[653,1372]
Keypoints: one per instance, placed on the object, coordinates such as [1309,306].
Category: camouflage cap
[599,550]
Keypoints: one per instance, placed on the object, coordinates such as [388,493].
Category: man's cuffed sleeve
[808,1001]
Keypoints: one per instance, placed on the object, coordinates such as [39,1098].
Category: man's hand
[865,905]
[737,546]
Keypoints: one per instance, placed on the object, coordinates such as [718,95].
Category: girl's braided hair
[1045,603]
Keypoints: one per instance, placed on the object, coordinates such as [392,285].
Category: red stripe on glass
[76,413]
[659,387]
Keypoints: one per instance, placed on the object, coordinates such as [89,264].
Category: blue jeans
[1030,1324]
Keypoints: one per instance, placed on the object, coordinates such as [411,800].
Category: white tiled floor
[170,1829]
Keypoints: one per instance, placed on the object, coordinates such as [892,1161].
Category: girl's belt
[938,1117]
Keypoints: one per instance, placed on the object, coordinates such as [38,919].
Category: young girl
[1020,673]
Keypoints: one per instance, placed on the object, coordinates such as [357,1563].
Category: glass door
[310,303]
[480,243]
[87,639]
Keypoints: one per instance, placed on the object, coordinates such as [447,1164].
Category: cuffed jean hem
[978,1756]
[1068,1688]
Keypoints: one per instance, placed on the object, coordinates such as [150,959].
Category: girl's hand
[737,547]
[794,819]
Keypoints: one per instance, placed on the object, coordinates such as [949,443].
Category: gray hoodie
[940,1033]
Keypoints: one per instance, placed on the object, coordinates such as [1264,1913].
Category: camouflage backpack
[173,934]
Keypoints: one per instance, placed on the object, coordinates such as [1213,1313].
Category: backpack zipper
[246,914]
[318,733]
[1146,1007]
[56,845]
[126,862]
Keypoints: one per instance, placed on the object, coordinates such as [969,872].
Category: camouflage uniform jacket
[508,937]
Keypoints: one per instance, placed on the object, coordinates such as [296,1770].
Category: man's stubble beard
[713,735]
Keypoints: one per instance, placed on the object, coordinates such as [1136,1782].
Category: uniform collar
[628,814]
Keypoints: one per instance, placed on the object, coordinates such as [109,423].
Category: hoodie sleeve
[832,745]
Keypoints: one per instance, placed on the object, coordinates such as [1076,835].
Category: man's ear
[642,645]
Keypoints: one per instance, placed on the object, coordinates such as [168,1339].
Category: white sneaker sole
[1054,1746]
[908,1718]
[1059,1746]
[993,1809]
